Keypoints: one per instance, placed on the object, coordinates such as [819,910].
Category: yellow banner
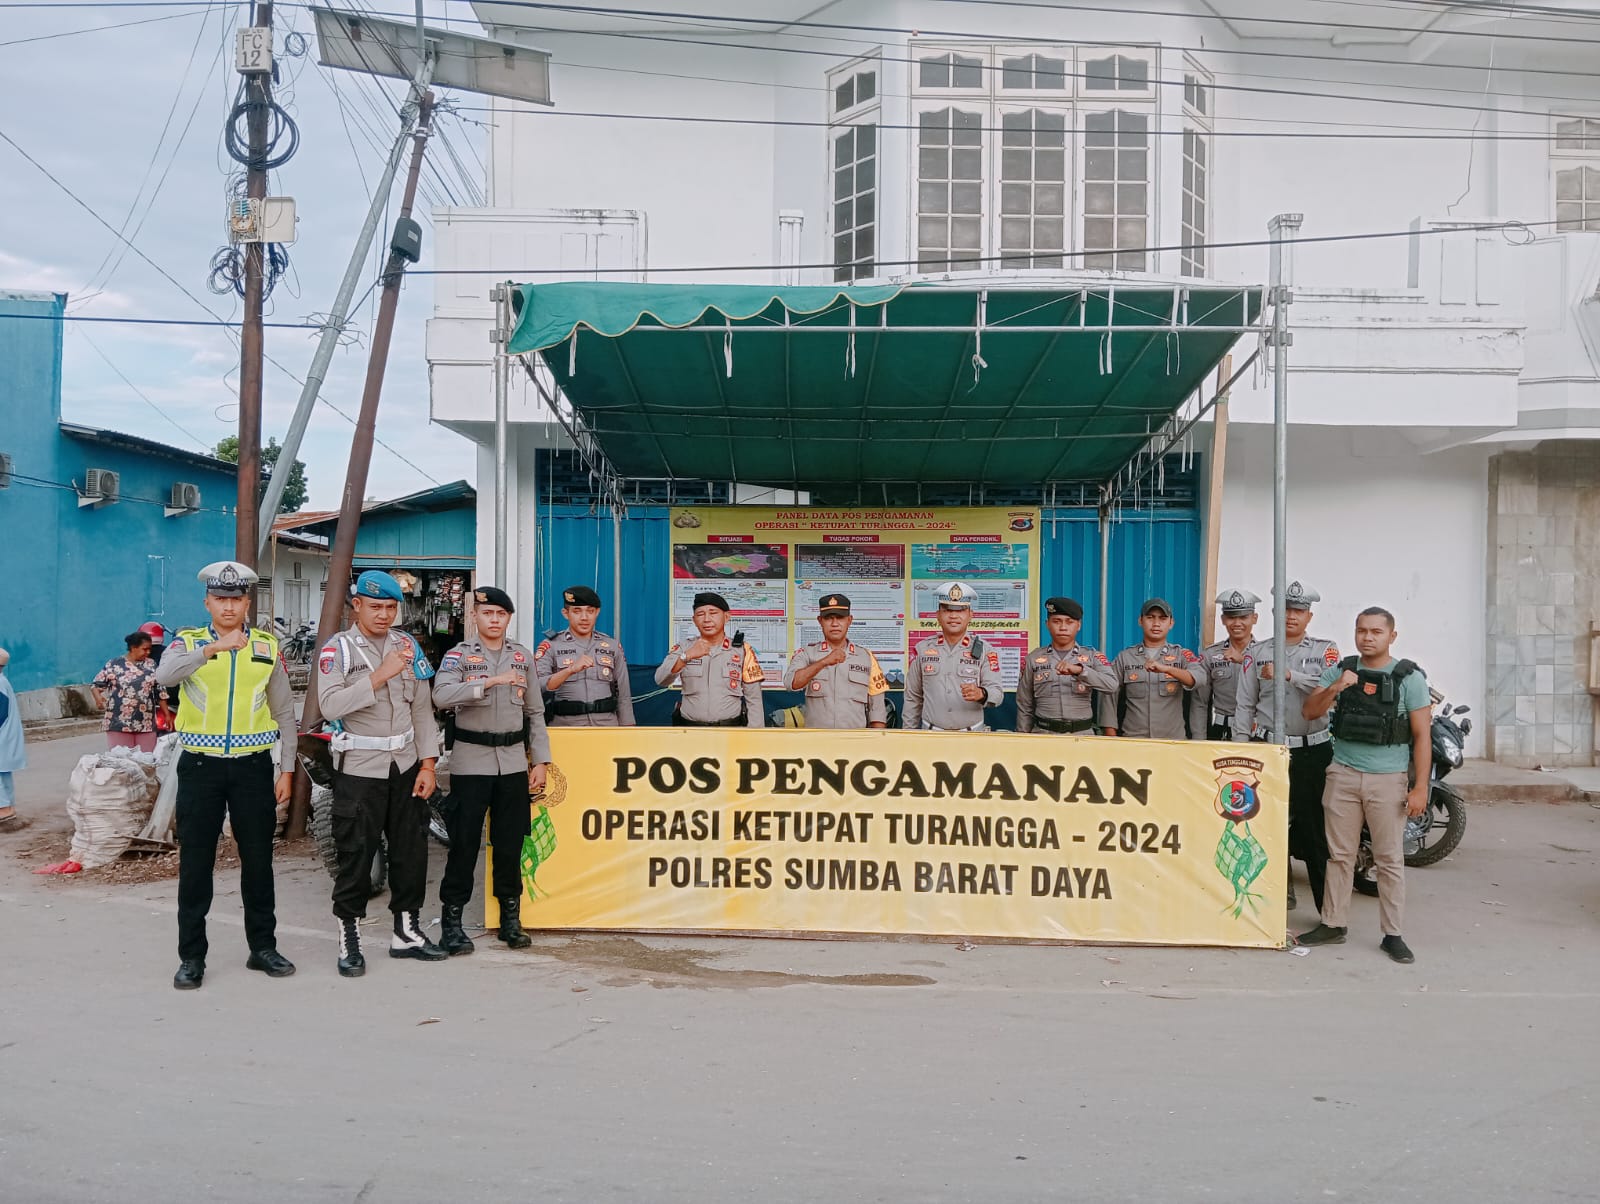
[986,835]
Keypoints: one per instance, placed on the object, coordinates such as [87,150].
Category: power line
[219,322]
[141,393]
[72,33]
[72,486]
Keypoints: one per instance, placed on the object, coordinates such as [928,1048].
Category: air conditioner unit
[100,488]
[185,499]
[5,471]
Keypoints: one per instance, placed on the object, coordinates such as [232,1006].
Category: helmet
[156,632]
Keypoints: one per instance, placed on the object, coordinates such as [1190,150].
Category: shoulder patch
[1330,656]
[1190,657]
[877,683]
[752,667]
[451,659]
[994,662]
[544,646]
[325,661]
[1101,658]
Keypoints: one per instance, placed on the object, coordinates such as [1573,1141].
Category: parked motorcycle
[1433,835]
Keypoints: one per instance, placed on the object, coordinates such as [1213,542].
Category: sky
[93,108]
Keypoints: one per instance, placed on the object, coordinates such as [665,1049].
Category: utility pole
[1282,230]
[258,96]
[342,553]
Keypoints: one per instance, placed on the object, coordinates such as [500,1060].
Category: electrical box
[265,219]
[407,240]
[252,51]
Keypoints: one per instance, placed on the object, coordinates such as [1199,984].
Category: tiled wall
[1544,590]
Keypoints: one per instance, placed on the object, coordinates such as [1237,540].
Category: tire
[322,828]
[1455,822]
[380,869]
[1365,879]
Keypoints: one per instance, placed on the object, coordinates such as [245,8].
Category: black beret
[580,595]
[1063,606]
[833,604]
[489,595]
[709,599]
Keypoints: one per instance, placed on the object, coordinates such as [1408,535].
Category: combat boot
[511,923]
[351,963]
[410,941]
[453,938]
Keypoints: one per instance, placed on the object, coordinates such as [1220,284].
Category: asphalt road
[671,1069]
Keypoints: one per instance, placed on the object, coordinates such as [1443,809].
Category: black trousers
[364,811]
[504,799]
[1308,836]
[241,789]
[1220,731]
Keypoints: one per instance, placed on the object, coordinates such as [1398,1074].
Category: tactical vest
[1369,711]
[222,707]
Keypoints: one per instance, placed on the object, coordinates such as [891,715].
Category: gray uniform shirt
[850,694]
[1223,677]
[1307,661]
[404,703]
[934,679]
[608,676]
[1044,692]
[716,685]
[479,708]
[179,664]
[1152,704]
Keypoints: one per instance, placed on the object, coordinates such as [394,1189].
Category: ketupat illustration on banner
[772,563]
[984,835]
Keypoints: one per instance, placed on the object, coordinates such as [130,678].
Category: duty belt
[682,720]
[934,727]
[1064,727]
[346,742]
[489,739]
[601,706]
[1310,741]
[1222,718]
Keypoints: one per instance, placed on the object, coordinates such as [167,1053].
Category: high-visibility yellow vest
[222,710]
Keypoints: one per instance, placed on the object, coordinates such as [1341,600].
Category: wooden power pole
[258,96]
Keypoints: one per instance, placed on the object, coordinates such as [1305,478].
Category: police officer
[499,757]
[1055,692]
[722,678]
[583,671]
[234,708]
[953,678]
[373,681]
[843,684]
[1227,661]
[1155,681]
[1310,741]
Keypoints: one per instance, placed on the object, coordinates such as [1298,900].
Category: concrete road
[667,1069]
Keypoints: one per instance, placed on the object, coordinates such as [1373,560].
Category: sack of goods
[110,798]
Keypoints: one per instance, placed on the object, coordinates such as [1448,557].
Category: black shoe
[453,938]
[270,962]
[1322,935]
[1396,948]
[511,924]
[410,941]
[190,975]
[351,963]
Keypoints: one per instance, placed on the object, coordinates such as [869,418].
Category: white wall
[1371,523]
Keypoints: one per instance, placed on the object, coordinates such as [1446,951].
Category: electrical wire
[72,33]
[72,486]
[140,393]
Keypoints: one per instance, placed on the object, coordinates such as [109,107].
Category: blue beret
[375,584]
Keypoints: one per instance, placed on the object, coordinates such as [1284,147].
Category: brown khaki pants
[1349,799]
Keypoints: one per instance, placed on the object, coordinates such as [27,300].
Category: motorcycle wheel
[1366,878]
[1446,831]
[322,828]
[380,868]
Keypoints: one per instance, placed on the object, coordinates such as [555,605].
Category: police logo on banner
[1239,857]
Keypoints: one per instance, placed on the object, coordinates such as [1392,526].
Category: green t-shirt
[1380,758]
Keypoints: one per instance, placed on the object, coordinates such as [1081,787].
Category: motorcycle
[1433,835]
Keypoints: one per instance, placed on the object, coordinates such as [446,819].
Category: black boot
[453,938]
[410,941]
[511,923]
[351,963]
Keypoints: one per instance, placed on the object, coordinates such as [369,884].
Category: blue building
[102,531]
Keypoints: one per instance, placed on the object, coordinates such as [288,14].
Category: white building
[1444,383]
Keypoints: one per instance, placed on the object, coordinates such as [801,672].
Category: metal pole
[502,370]
[1105,577]
[1282,227]
[247,547]
[329,340]
[342,553]
[616,575]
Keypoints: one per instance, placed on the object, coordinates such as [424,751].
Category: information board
[773,563]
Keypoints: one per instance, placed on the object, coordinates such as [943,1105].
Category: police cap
[1299,596]
[580,595]
[1151,605]
[832,605]
[493,595]
[1063,606]
[709,599]
[1237,602]
[228,579]
[374,583]
[953,595]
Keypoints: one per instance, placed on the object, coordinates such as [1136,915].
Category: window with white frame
[1024,154]
[1196,171]
[853,141]
[1575,164]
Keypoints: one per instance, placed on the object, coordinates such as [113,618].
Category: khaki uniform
[503,710]
[1222,684]
[934,680]
[401,708]
[606,680]
[1253,709]
[719,686]
[1062,701]
[851,694]
[1151,705]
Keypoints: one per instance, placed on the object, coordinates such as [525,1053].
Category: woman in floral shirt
[126,692]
